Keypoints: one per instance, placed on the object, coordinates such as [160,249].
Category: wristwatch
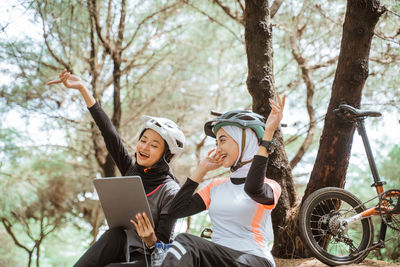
[269,145]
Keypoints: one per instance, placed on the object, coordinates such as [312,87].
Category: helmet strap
[240,163]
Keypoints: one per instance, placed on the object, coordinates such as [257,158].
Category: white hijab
[250,148]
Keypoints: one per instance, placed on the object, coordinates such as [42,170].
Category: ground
[312,262]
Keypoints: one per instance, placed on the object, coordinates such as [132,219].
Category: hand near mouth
[212,162]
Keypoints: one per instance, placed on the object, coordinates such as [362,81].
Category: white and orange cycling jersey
[238,222]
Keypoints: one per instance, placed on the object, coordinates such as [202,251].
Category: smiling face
[149,149]
[227,147]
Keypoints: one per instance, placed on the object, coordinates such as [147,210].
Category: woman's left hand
[144,229]
[275,117]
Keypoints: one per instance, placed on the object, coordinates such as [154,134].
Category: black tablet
[121,199]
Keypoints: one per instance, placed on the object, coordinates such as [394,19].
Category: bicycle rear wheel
[324,230]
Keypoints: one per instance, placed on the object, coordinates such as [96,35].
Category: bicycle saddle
[356,113]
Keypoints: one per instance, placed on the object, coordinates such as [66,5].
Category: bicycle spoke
[333,240]
[389,208]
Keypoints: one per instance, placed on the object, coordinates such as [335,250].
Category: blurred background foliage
[179,59]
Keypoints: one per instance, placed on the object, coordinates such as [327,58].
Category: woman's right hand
[209,163]
[69,80]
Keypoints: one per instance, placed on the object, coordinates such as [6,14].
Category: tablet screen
[121,199]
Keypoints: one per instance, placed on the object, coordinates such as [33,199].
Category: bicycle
[336,225]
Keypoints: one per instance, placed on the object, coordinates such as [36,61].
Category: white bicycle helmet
[169,131]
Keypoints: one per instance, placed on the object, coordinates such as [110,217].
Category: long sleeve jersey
[159,199]
[239,209]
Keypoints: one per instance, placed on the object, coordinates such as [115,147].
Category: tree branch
[324,64]
[228,12]
[301,61]
[108,46]
[214,20]
[240,5]
[8,226]
[52,53]
[144,21]
[275,7]
[121,28]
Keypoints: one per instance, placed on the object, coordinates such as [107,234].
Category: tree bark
[260,83]
[114,49]
[351,73]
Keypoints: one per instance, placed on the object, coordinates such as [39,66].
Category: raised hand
[144,229]
[69,80]
[276,114]
[211,162]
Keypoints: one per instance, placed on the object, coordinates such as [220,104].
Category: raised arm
[185,202]
[111,137]
[255,185]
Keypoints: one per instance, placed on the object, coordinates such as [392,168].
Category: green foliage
[389,167]
[184,62]
[38,193]
[65,247]
[10,255]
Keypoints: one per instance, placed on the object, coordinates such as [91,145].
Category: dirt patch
[312,262]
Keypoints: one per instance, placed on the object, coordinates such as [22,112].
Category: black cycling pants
[110,248]
[193,251]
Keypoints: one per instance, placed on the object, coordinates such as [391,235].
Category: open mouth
[143,155]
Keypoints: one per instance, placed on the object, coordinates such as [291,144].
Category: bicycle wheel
[324,230]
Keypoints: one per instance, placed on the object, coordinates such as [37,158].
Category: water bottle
[166,247]
[157,256]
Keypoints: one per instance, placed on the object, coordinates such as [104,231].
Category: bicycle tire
[318,220]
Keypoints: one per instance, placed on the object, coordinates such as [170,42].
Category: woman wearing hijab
[240,206]
[160,142]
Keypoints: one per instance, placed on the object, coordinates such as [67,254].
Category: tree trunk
[30,258]
[38,253]
[114,49]
[352,71]
[260,83]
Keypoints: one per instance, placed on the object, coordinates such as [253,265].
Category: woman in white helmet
[160,142]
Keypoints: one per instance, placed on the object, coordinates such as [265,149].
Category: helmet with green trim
[240,118]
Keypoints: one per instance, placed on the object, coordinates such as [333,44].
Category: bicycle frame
[378,184]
